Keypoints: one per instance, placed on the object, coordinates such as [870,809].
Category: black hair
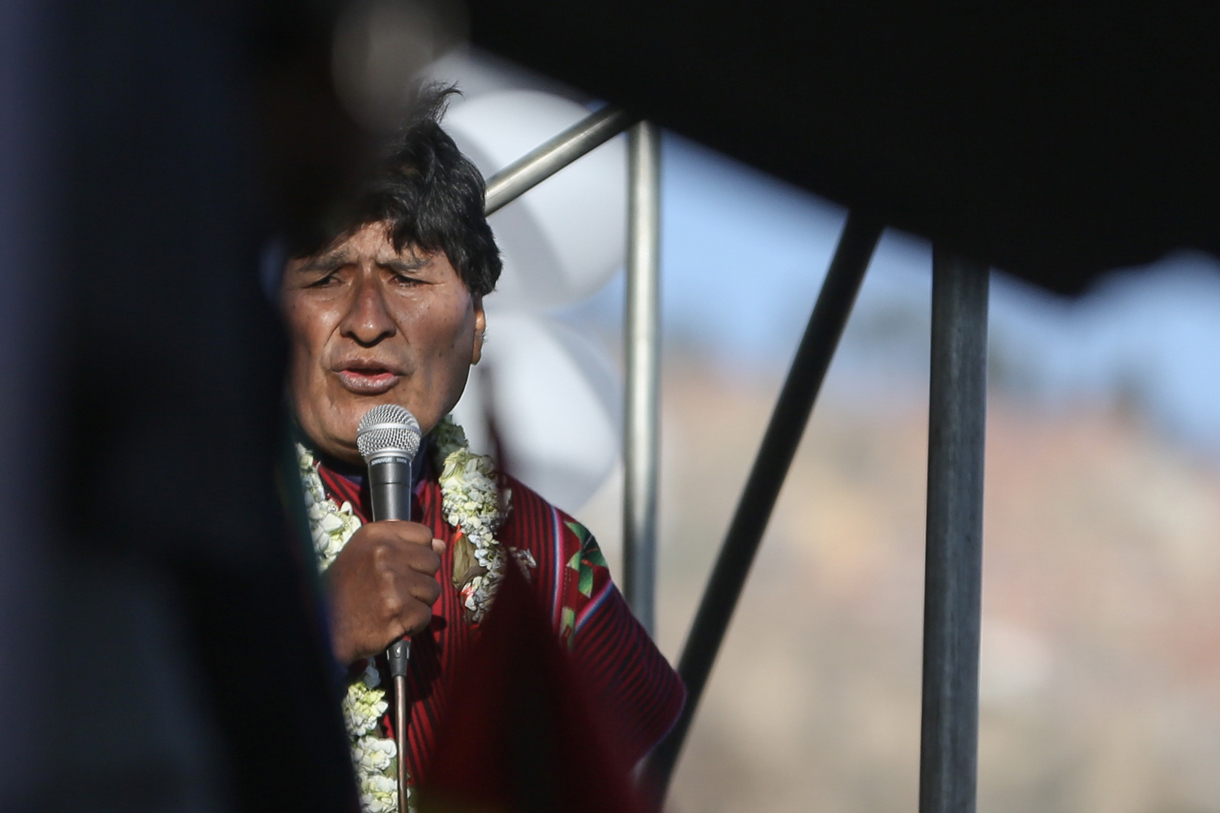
[431,195]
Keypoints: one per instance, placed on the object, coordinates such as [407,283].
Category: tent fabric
[1053,140]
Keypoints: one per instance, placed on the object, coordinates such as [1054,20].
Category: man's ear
[480,326]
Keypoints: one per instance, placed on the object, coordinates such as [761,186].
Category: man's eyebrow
[402,266]
[327,262]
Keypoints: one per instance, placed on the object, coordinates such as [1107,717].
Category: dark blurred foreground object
[160,643]
[520,733]
[331,80]
[1054,140]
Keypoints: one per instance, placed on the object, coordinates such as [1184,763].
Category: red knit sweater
[636,687]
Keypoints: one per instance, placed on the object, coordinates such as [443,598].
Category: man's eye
[325,282]
[403,279]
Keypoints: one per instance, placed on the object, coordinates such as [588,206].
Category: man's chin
[334,433]
[341,433]
[340,422]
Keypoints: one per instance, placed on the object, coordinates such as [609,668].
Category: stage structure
[953,569]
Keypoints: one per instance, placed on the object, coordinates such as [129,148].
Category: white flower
[378,793]
[330,525]
[373,754]
[372,758]
[363,707]
[471,501]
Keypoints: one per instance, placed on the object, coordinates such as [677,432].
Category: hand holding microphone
[383,584]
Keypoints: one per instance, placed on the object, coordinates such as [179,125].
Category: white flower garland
[470,502]
[373,756]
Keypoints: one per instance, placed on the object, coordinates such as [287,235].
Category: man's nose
[368,320]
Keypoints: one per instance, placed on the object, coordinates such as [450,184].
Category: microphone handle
[390,495]
[390,489]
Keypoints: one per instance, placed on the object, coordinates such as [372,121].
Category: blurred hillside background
[1100,675]
[1100,679]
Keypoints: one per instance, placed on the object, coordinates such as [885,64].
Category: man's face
[370,325]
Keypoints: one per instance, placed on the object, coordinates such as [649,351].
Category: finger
[424,560]
[416,533]
[401,531]
[413,622]
[406,562]
[410,605]
[416,559]
[427,591]
[438,547]
[418,596]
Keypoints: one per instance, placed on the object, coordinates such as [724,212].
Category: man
[391,311]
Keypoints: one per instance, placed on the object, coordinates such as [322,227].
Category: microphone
[388,438]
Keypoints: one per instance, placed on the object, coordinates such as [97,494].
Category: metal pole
[642,335]
[400,657]
[796,400]
[954,565]
[544,161]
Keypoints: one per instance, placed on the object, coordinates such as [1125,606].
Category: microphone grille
[388,428]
